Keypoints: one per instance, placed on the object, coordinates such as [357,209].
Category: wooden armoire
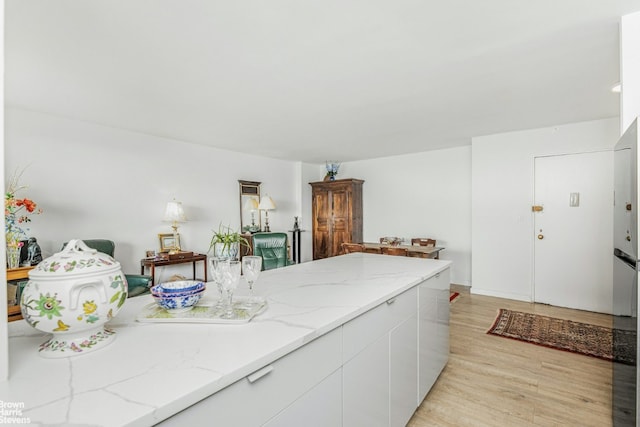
[336,215]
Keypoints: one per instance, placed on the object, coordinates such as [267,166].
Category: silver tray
[205,311]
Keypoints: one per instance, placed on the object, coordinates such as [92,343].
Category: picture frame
[167,242]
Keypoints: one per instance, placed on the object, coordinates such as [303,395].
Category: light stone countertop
[154,370]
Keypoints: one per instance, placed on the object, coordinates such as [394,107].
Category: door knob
[540,236]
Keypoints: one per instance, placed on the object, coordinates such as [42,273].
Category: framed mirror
[249,200]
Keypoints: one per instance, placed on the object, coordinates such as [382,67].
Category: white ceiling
[316,80]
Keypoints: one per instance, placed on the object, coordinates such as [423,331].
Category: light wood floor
[495,381]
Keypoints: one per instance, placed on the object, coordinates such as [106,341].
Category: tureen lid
[74,260]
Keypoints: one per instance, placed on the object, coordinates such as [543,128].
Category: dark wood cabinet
[337,215]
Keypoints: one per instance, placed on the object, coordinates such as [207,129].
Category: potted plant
[225,243]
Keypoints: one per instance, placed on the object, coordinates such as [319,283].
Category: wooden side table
[21,273]
[152,263]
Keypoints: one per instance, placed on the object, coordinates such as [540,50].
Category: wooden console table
[21,273]
[152,263]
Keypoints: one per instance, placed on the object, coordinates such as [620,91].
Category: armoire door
[340,220]
[322,225]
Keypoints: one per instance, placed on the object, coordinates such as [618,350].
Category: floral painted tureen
[72,294]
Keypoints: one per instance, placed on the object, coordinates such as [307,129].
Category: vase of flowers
[17,212]
[332,170]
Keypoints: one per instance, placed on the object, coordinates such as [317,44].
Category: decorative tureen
[72,294]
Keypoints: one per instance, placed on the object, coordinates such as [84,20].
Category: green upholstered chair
[273,249]
[138,284]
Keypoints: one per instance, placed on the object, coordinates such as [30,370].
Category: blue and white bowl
[178,303]
[179,287]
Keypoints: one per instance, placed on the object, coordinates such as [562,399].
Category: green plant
[227,236]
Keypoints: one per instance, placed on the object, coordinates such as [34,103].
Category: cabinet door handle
[259,373]
[391,300]
[437,275]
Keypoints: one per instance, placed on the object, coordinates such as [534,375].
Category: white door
[573,235]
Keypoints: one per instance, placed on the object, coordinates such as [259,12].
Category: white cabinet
[319,407]
[369,326]
[255,399]
[365,386]
[403,371]
[372,371]
[380,368]
[433,330]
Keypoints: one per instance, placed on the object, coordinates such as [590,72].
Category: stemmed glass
[230,271]
[251,266]
[216,274]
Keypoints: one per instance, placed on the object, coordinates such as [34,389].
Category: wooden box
[180,255]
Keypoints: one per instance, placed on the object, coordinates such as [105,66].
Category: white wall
[99,182]
[629,69]
[420,195]
[308,173]
[502,188]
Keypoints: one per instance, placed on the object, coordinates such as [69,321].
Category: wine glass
[230,271]
[216,274]
[251,266]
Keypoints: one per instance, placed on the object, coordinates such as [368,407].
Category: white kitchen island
[357,339]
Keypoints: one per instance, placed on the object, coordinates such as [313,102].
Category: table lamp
[174,213]
[266,205]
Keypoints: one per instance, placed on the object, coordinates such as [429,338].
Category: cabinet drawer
[255,399]
[368,327]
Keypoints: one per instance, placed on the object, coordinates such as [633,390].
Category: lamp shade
[266,204]
[251,204]
[174,212]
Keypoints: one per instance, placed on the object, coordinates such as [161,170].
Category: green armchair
[138,284]
[273,249]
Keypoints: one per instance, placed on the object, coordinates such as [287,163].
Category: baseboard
[459,288]
[497,294]
[462,283]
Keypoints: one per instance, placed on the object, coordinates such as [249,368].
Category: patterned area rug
[453,296]
[561,334]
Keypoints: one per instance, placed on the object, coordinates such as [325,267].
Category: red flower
[30,205]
